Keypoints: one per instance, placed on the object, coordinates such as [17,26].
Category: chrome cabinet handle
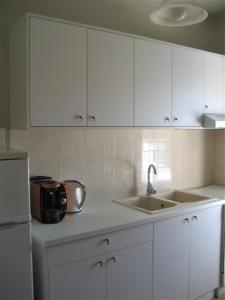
[186,220]
[167,119]
[106,241]
[206,106]
[93,118]
[112,259]
[195,218]
[175,119]
[99,263]
[78,117]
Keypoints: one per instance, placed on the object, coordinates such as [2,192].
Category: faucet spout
[150,189]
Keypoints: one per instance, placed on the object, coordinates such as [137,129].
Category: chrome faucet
[150,189]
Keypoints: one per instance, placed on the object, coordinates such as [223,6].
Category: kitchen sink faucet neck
[150,189]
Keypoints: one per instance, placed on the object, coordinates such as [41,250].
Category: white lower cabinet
[187,255]
[129,273]
[205,251]
[170,263]
[174,258]
[85,279]
[122,274]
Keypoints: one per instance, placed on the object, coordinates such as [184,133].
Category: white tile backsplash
[113,162]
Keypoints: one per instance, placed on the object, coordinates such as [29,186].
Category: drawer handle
[186,220]
[195,218]
[113,259]
[175,119]
[167,119]
[99,263]
[106,241]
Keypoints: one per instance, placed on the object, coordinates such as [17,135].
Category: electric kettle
[75,193]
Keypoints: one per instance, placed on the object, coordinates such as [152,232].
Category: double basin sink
[163,201]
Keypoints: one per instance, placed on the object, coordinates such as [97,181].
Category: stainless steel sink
[181,197]
[147,204]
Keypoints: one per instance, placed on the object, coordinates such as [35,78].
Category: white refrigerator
[16,281]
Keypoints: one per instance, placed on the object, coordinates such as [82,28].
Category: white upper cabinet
[152,83]
[187,87]
[110,79]
[64,74]
[58,74]
[213,83]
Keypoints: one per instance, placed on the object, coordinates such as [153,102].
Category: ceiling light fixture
[176,13]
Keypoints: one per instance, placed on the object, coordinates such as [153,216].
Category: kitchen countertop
[8,153]
[99,217]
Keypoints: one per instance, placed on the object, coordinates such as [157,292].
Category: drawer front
[73,251]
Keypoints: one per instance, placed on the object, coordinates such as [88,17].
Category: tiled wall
[113,162]
[219,158]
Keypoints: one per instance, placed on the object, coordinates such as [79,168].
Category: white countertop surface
[8,153]
[99,217]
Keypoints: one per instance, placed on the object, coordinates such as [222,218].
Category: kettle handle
[83,187]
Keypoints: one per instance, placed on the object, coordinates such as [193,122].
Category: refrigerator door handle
[9,225]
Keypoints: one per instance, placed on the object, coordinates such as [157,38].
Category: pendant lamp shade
[176,13]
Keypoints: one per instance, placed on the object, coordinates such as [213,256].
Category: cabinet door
[129,273]
[171,259]
[15,263]
[58,73]
[213,83]
[205,251]
[110,79]
[187,87]
[152,84]
[84,279]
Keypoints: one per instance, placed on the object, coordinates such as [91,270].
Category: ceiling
[130,16]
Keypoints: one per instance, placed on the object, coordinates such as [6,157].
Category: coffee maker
[48,199]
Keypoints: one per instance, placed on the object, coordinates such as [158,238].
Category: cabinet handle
[186,220]
[167,119]
[99,263]
[195,218]
[175,119]
[93,118]
[112,259]
[78,117]
[106,241]
[206,106]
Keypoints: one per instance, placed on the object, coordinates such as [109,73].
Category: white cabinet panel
[58,73]
[85,279]
[15,263]
[14,191]
[110,79]
[171,259]
[129,273]
[213,83]
[187,87]
[152,83]
[205,251]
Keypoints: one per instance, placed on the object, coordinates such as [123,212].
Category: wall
[219,158]
[113,162]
